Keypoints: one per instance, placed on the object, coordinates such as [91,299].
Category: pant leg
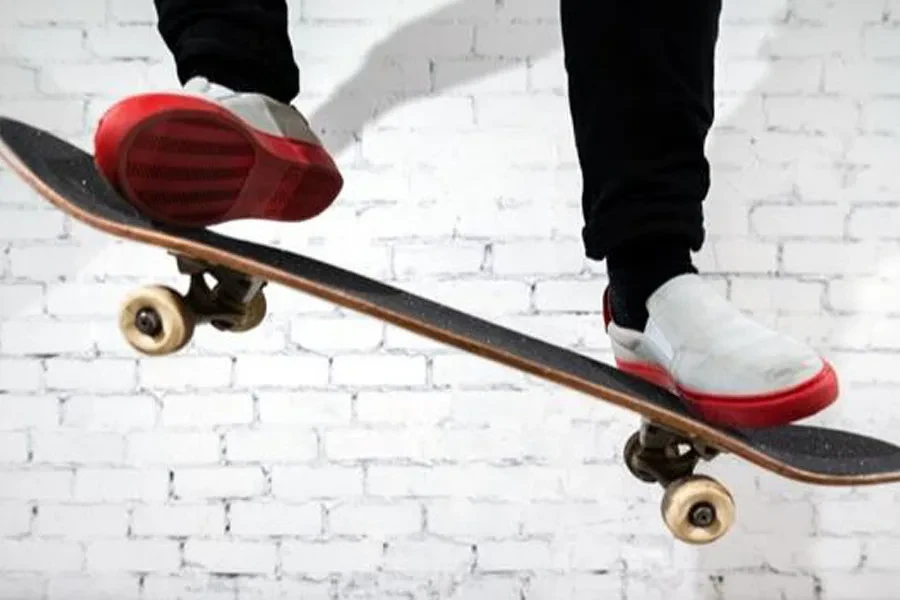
[640,76]
[241,44]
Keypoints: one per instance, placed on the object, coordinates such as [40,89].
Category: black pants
[640,76]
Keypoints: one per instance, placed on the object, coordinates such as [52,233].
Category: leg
[243,45]
[641,93]
[640,76]
[229,146]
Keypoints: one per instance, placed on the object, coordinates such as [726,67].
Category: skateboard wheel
[254,313]
[155,321]
[697,509]
[632,447]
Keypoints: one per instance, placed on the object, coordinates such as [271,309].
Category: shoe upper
[258,110]
[707,345]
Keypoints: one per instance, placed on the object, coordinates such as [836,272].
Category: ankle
[637,270]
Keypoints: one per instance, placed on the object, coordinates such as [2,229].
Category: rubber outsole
[753,411]
[187,161]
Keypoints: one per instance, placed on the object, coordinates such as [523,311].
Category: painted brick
[325,443]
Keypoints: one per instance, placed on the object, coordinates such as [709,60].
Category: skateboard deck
[665,450]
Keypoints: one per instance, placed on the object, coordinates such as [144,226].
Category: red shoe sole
[187,161]
[765,410]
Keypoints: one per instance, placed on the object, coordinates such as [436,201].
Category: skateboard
[666,447]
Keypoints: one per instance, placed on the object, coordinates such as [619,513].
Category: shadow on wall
[362,97]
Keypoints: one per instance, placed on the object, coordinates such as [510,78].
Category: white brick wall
[327,455]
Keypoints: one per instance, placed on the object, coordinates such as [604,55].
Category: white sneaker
[206,154]
[728,368]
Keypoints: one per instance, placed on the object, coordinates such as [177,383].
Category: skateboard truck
[697,509]
[157,320]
